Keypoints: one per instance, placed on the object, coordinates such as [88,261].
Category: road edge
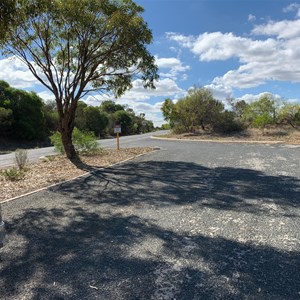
[219,141]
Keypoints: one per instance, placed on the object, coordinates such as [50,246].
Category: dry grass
[278,135]
[58,169]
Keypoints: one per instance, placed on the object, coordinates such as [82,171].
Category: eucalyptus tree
[76,47]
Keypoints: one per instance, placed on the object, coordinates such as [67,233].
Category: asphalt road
[193,220]
[140,140]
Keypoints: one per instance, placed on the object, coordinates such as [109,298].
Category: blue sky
[238,49]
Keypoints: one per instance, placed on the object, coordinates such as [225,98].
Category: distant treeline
[200,111]
[24,116]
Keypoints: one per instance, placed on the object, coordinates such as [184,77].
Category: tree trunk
[202,125]
[66,136]
[66,129]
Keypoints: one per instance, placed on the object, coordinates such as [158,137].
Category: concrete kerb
[217,141]
[76,177]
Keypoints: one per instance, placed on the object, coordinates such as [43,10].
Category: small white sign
[117,129]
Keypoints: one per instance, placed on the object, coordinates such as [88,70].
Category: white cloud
[220,91]
[165,87]
[186,41]
[261,60]
[293,7]
[251,18]
[222,46]
[285,29]
[249,98]
[174,65]
[16,73]
[46,96]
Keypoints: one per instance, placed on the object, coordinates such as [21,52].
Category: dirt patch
[58,169]
[280,135]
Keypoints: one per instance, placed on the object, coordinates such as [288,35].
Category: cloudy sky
[237,48]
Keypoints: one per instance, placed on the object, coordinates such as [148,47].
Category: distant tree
[169,112]
[96,120]
[165,127]
[226,122]
[197,109]
[74,47]
[125,119]
[206,107]
[80,116]
[110,106]
[141,125]
[27,119]
[148,126]
[6,121]
[186,116]
[239,108]
[51,117]
[262,112]
[289,114]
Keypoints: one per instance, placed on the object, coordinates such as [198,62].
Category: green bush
[262,121]
[84,142]
[56,141]
[178,129]
[226,123]
[13,174]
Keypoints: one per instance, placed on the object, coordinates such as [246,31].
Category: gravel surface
[191,221]
[54,169]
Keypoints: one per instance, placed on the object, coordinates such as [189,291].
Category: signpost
[2,229]
[117,130]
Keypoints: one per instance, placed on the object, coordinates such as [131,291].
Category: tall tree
[262,112]
[169,112]
[74,47]
[7,12]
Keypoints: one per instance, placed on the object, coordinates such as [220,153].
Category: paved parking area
[191,221]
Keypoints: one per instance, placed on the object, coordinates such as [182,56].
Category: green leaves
[198,110]
[75,47]
[82,45]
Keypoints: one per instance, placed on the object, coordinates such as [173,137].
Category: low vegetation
[84,142]
[200,112]
[17,173]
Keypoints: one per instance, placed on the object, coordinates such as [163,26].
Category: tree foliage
[289,114]
[24,116]
[197,110]
[262,112]
[21,113]
[74,47]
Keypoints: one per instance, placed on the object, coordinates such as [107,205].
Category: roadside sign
[117,128]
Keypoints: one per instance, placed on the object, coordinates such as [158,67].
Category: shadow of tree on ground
[116,234]
[179,183]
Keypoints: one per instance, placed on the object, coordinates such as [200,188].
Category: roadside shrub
[56,141]
[84,142]
[13,174]
[262,121]
[178,129]
[226,123]
[21,158]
